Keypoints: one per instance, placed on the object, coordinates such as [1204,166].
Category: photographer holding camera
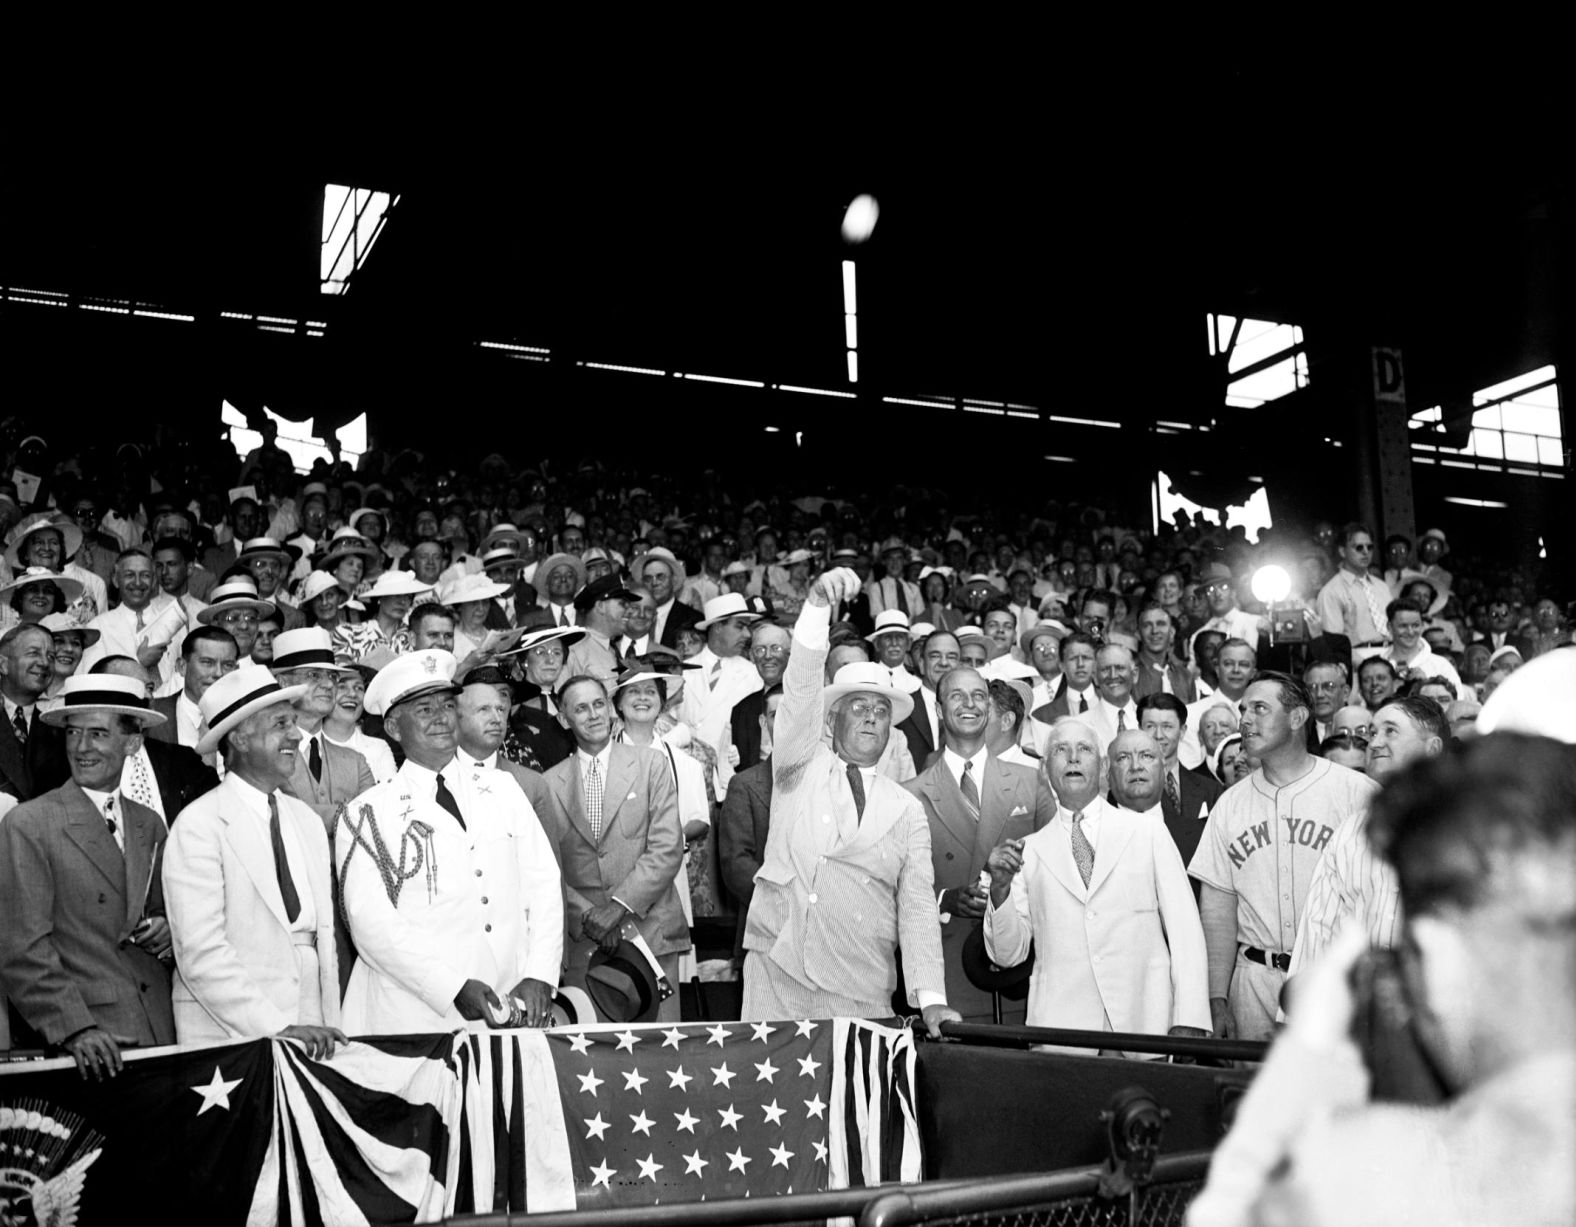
[1483,843]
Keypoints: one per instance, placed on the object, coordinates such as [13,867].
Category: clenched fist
[835,586]
[1006,859]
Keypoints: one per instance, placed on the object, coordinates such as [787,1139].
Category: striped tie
[970,791]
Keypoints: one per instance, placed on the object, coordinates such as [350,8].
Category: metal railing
[1056,1199]
[997,1035]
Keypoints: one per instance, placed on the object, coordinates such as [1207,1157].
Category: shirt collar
[99,798]
[467,758]
[583,760]
[425,775]
[251,796]
[955,762]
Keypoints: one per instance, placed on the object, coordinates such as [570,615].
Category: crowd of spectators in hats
[176,567]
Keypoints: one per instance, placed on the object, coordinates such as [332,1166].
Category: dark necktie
[1083,703]
[1170,802]
[446,799]
[1121,720]
[19,723]
[287,890]
[857,783]
[314,760]
[109,820]
[970,790]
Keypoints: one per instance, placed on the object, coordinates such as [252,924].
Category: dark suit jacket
[1148,681]
[1199,792]
[181,775]
[1057,707]
[746,722]
[916,728]
[680,616]
[41,767]
[535,619]
[166,732]
[549,740]
[69,900]
[345,777]
[741,836]
[1015,801]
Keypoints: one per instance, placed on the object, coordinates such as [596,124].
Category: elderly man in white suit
[1104,895]
[246,883]
[847,874]
[449,882]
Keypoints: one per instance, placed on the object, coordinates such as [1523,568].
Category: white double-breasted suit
[1124,953]
[478,902]
[238,970]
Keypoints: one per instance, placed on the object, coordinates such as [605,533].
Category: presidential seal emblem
[45,1154]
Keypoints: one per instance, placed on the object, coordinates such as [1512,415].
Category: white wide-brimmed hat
[237,695]
[867,677]
[473,586]
[728,605]
[239,592]
[122,696]
[69,588]
[395,583]
[70,535]
[552,563]
[890,622]
[65,624]
[1539,698]
[315,585]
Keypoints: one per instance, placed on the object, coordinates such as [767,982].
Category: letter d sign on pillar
[1389,377]
[1394,448]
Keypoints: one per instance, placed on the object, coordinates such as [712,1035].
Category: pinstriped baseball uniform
[1350,880]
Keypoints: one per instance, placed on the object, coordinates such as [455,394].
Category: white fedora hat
[124,696]
[237,695]
[307,647]
[395,583]
[474,586]
[890,622]
[728,605]
[237,593]
[867,677]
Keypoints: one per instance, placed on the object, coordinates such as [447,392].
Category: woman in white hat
[36,593]
[50,540]
[323,601]
[71,640]
[469,597]
[346,559]
[389,600]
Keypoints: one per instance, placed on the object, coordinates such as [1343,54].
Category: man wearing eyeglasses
[1220,594]
[769,654]
[1328,687]
[1353,602]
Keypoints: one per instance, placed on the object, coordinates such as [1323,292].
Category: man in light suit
[478,933]
[1104,896]
[622,846]
[82,927]
[972,802]
[326,775]
[725,675]
[847,874]
[247,878]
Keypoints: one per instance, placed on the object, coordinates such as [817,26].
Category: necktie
[1170,801]
[712,675]
[1375,606]
[139,788]
[109,820]
[1121,720]
[857,783]
[276,837]
[1083,703]
[445,798]
[593,784]
[140,623]
[970,790]
[1083,850]
[19,723]
[562,620]
[314,760]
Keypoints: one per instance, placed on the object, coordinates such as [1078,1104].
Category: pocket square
[1019,809]
[1203,811]
[631,797]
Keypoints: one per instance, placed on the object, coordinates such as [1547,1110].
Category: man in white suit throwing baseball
[1104,896]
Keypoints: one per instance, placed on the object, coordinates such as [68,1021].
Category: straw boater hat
[554,561]
[308,647]
[890,622]
[501,556]
[69,588]
[1045,628]
[65,624]
[395,583]
[471,587]
[506,535]
[239,592]
[71,535]
[728,605]
[122,696]
[234,697]
[345,543]
[415,673]
[355,516]
[662,555]
[266,547]
[866,677]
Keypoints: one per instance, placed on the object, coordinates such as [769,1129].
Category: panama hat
[552,563]
[122,696]
[501,556]
[665,556]
[728,605]
[266,547]
[506,534]
[866,677]
[308,647]
[345,543]
[237,695]
[1045,628]
[890,622]
[239,592]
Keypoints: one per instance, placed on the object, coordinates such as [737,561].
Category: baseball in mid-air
[860,219]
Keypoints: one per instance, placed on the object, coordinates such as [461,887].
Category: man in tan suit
[622,847]
[847,874]
[973,802]
[246,875]
[82,927]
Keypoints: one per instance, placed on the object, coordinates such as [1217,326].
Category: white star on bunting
[217,1093]
[718,1034]
[686,1122]
[649,1167]
[580,1043]
[820,1151]
[693,1164]
[737,1160]
[634,1080]
[627,1041]
[730,1118]
[672,1038]
[595,1127]
[780,1156]
[762,1030]
[815,1107]
[722,1075]
[774,1114]
[808,1066]
[603,1174]
[641,1124]
[678,1078]
[804,1028]
[589,1082]
[765,1071]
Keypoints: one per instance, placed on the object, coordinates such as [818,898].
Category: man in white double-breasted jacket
[1103,894]
[449,882]
[847,877]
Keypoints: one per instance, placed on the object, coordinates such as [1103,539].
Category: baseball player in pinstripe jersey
[1350,879]
[1257,856]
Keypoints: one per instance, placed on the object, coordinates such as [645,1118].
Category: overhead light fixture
[859,219]
[1476,502]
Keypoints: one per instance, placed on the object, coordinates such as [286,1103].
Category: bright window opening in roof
[353,217]
[1515,428]
[1266,357]
[1253,515]
[296,439]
